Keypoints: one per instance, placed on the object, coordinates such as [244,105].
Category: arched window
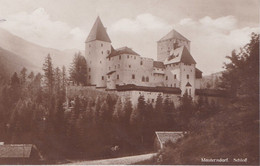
[143,79]
[147,79]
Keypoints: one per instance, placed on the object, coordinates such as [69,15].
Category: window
[119,57]
[100,62]
[175,76]
[143,79]
[189,91]
[101,44]
[147,79]
[127,56]
[89,69]
[102,77]
[166,78]
[188,76]
[141,63]
[89,77]
[117,77]
[101,52]
[152,100]
[129,66]
[133,76]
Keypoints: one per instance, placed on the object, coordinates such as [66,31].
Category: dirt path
[116,161]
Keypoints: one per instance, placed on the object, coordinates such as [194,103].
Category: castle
[128,74]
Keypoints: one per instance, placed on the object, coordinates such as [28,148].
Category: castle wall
[190,71]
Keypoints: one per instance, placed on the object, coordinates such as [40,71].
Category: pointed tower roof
[173,34]
[98,32]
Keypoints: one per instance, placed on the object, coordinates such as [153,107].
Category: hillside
[211,81]
[10,63]
[34,53]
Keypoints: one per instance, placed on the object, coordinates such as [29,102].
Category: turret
[97,48]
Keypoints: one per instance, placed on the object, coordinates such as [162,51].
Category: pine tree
[23,75]
[48,75]
[78,70]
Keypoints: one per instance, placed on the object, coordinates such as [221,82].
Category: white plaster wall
[96,53]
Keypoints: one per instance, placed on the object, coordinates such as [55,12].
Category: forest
[33,110]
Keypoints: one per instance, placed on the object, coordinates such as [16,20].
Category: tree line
[34,109]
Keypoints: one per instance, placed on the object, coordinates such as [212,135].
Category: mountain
[10,63]
[34,53]
[211,81]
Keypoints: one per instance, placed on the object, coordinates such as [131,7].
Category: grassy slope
[231,133]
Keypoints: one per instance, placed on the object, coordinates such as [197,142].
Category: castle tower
[170,42]
[97,48]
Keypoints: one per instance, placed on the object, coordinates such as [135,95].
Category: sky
[214,27]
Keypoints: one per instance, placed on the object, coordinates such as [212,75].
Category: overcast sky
[214,27]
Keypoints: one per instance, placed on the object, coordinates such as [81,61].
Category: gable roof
[165,136]
[180,54]
[198,73]
[122,50]
[98,32]
[173,34]
[188,84]
[15,151]
[158,64]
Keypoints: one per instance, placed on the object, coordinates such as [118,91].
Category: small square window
[127,56]
[188,76]
[101,52]
[129,66]
[133,76]
[141,63]
[102,77]
[100,62]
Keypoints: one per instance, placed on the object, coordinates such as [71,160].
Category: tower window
[127,56]
[133,76]
[89,77]
[129,66]
[101,52]
[119,57]
[143,79]
[102,77]
[188,76]
[166,78]
[141,63]
[117,77]
[100,62]
[101,44]
[175,76]
[147,79]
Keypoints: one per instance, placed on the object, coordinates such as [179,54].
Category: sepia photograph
[129,82]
